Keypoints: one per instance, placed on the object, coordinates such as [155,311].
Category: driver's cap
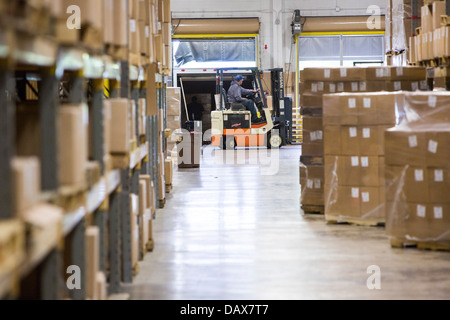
[239,78]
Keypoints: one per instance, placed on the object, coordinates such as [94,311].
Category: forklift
[231,123]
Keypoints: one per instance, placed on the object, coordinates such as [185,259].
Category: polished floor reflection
[234,230]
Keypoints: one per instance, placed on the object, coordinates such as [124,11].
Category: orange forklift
[232,125]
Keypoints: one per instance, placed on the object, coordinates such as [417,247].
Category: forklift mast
[282,106]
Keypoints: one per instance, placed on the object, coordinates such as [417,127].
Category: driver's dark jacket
[236,92]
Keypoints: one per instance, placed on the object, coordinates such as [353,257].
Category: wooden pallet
[70,198]
[423,245]
[313,209]
[162,203]
[312,160]
[354,221]
[169,188]
[12,254]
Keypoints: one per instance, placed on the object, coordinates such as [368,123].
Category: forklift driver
[236,93]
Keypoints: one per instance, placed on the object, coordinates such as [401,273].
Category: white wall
[276,37]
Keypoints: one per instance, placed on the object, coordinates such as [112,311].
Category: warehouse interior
[334,184]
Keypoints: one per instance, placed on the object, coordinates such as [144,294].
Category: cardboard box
[350,140]
[173,101]
[313,149]
[312,181]
[92,261]
[121,22]
[369,170]
[371,205]
[332,140]
[438,10]
[102,293]
[331,110]
[437,148]
[26,183]
[73,122]
[405,147]
[312,100]
[142,116]
[120,125]
[438,185]
[168,169]
[427,19]
[312,130]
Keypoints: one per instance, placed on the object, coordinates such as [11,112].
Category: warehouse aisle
[228,232]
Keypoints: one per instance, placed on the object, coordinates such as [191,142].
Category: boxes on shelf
[168,164]
[73,122]
[92,261]
[417,172]
[120,126]
[354,154]
[26,183]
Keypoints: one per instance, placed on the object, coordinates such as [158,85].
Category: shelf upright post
[48,103]
[98,121]
[114,243]
[7,134]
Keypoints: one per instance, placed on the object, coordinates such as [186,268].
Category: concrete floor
[229,232]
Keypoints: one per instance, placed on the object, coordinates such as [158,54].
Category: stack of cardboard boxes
[315,83]
[173,116]
[432,40]
[417,172]
[354,154]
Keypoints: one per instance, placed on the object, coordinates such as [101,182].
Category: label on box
[438,213]
[176,118]
[353,132]
[421,211]
[309,184]
[326,73]
[432,101]
[397,86]
[387,72]
[432,146]
[365,162]
[425,37]
[352,103]
[418,174]
[354,86]
[147,31]
[379,73]
[314,87]
[332,88]
[132,26]
[362,86]
[412,141]
[414,86]
[340,87]
[343,72]
[365,197]
[399,71]
[159,26]
[366,133]
[312,136]
[355,161]
[367,103]
[320,86]
[317,183]
[439,175]
[355,193]
[423,85]
[319,135]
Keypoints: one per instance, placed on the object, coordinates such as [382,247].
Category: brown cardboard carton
[120,126]
[332,140]
[173,101]
[407,73]
[312,74]
[312,129]
[350,202]
[350,141]
[331,110]
[371,86]
[348,171]
[352,74]
[313,148]
[418,47]
[371,206]
[385,106]
[92,261]
[416,184]
[381,171]
[369,171]
[367,111]
[26,183]
[394,182]
[369,140]
[312,100]
[348,107]
[142,114]
[439,221]
[427,19]
[72,144]
[332,205]
[438,148]
[405,147]
[426,107]
[102,293]
[379,73]
[121,22]
[438,9]
[332,167]
[312,181]
[168,168]
[438,185]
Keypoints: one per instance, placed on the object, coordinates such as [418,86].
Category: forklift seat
[232,106]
